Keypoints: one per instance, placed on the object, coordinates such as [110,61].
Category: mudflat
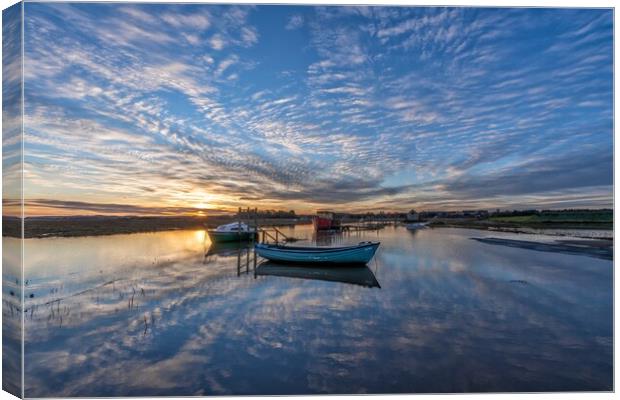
[594,248]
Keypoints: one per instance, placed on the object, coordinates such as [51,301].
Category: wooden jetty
[369,226]
[270,234]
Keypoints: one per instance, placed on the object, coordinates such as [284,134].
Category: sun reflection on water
[200,236]
[168,314]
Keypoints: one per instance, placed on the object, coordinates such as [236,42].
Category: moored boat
[325,221]
[416,225]
[361,253]
[233,232]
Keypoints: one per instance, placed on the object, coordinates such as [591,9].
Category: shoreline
[46,227]
[507,227]
[43,227]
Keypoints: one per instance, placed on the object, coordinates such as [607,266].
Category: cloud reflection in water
[149,314]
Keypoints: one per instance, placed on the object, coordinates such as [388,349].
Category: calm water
[166,314]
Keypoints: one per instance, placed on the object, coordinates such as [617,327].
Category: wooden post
[239,227]
[256,219]
[239,262]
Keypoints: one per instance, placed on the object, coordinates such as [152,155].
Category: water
[150,314]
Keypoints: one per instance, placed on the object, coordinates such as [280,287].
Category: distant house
[326,214]
[412,216]
[476,213]
[480,214]
[326,220]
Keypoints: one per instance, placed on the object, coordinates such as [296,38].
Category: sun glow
[200,236]
[201,200]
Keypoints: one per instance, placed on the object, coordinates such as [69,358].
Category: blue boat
[361,253]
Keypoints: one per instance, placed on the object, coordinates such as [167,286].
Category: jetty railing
[264,234]
[272,233]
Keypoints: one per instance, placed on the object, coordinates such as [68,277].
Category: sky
[168,109]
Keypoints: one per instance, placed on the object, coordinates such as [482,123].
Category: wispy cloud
[70,207]
[217,42]
[360,107]
[295,22]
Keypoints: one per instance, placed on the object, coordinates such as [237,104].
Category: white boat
[416,225]
[235,231]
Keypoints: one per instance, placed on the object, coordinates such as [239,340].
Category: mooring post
[239,227]
[256,219]
[239,262]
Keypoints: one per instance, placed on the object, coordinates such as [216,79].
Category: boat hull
[325,224]
[352,255]
[222,237]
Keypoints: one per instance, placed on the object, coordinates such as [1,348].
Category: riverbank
[521,226]
[40,227]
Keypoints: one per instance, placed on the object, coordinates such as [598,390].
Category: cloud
[199,22]
[108,208]
[294,22]
[569,171]
[393,107]
[249,36]
[192,39]
[225,64]
[217,42]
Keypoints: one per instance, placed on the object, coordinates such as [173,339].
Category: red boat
[326,221]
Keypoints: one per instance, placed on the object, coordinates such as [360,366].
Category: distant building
[412,216]
[480,214]
[476,213]
[326,220]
